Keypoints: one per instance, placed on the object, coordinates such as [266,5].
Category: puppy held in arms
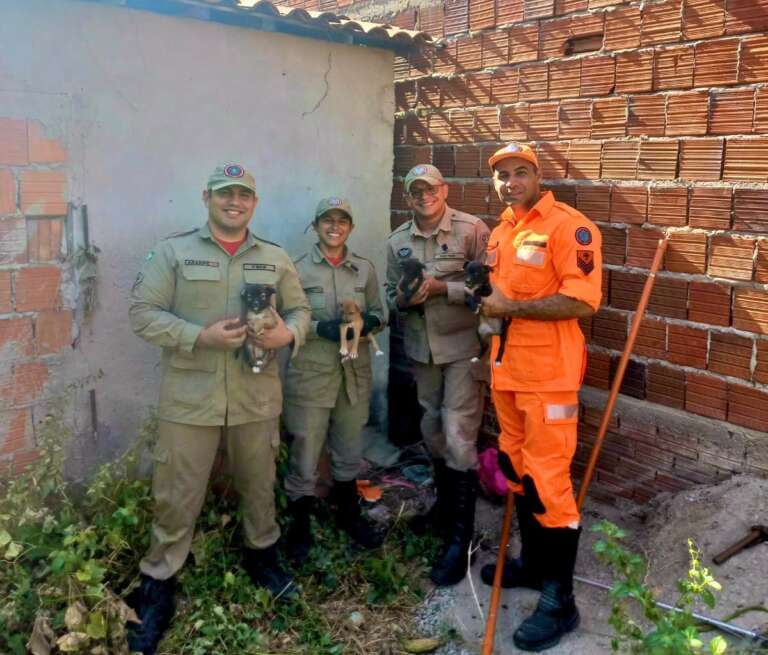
[351,330]
[412,278]
[477,285]
[258,314]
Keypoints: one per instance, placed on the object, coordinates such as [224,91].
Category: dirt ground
[714,516]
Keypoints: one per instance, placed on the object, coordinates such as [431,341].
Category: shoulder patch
[404,226]
[182,233]
[585,260]
[583,236]
[404,252]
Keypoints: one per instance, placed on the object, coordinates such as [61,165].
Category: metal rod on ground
[619,376]
[715,623]
[490,626]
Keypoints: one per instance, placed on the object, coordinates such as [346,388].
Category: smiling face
[517,182]
[333,229]
[230,209]
[426,200]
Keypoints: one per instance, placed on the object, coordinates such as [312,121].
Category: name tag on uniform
[531,255]
[313,289]
[200,262]
[360,289]
[449,255]
[259,267]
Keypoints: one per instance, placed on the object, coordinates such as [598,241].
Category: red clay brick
[431,20]
[44,239]
[665,385]
[730,354]
[629,204]
[633,382]
[487,124]
[687,113]
[658,160]
[429,94]
[509,11]
[456,20]
[467,160]
[15,338]
[505,86]
[625,289]
[619,161]
[7,193]
[598,372]
[523,43]
[44,150]
[701,160]
[761,263]
[598,76]
[475,198]
[29,379]
[746,160]
[584,160]
[533,82]
[53,331]
[43,193]
[23,459]
[634,71]
[13,142]
[553,37]
[469,53]
[674,68]
[609,118]
[622,28]
[731,257]
[594,201]
[761,110]
[445,59]
[642,244]
[710,207]
[400,68]
[482,14]
[538,9]
[455,194]
[439,128]
[748,407]
[453,92]
[647,115]
[732,111]
[761,370]
[563,192]
[13,241]
[397,197]
[750,310]
[15,430]
[687,346]
[553,161]
[405,95]
[575,119]
[404,19]
[6,297]
[495,48]
[746,16]
[754,60]
[669,298]
[478,89]
[668,206]
[716,63]
[709,303]
[703,18]
[569,6]
[564,78]
[651,338]
[687,253]
[750,210]
[420,63]
[614,244]
[609,329]
[592,24]
[513,122]
[37,288]
[661,23]
[542,120]
[445,159]
[407,157]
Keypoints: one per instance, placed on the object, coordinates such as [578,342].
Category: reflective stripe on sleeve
[561,412]
[531,256]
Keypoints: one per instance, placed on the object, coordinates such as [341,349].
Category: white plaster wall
[147,105]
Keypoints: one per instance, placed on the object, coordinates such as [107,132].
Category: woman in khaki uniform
[327,398]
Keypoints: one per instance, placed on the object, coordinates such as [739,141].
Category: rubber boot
[299,539]
[436,519]
[525,570]
[351,519]
[154,600]
[451,566]
[556,614]
[264,569]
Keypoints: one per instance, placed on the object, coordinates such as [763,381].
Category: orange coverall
[551,249]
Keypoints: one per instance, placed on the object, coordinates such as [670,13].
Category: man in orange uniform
[546,271]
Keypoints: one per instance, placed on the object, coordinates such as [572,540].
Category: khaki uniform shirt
[190,281]
[443,328]
[316,372]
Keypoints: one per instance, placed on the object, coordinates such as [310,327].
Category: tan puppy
[351,318]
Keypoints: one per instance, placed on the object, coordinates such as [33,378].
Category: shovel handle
[750,540]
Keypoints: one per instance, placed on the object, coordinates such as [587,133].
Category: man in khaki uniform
[327,397]
[186,299]
[440,340]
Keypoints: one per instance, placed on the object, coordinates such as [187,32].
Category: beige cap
[333,202]
[231,175]
[426,172]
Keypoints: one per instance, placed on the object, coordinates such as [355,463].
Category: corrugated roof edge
[266,16]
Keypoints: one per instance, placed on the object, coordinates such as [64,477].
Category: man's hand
[429,287]
[434,287]
[276,337]
[227,334]
[497,305]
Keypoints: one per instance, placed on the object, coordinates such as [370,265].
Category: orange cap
[519,150]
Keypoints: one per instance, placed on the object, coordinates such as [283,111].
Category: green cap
[231,175]
[334,202]
[426,172]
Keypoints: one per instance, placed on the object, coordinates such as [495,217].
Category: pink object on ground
[492,480]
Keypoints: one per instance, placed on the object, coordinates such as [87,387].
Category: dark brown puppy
[259,315]
[413,276]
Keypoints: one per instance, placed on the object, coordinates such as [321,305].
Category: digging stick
[619,376]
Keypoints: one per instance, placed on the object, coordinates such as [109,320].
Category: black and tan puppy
[413,277]
[259,315]
[477,280]
[351,330]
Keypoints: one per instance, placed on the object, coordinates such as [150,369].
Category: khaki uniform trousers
[184,457]
[452,399]
[340,425]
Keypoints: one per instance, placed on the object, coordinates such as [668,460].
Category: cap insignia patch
[234,170]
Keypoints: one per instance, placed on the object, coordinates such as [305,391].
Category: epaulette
[296,261]
[571,211]
[404,226]
[365,259]
[271,243]
[183,233]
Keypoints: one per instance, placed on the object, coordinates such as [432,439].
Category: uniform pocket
[531,350]
[201,284]
[197,360]
[444,267]
[259,276]
[316,297]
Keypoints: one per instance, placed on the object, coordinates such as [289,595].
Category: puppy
[352,320]
[413,276]
[259,315]
[477,280]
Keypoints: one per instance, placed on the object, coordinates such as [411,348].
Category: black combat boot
[451,566]
[154,601]
[264,569]
[556,614]
[350,518]
[299,539]
[522,571]
[436,520]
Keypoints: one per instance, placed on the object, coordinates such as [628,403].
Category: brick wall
[648,117]
[36,326]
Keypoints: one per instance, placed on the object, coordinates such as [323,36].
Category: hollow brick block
[668,206]
[703,19]
[647,115]
[622,28]
[716,63]
[750,310]
[748,407]
[701,159]
[746,160]
[14,149]
[687,113]
[710,303]
[730,354]
[687,346]
[669,298]
[687,253]
[673,68]
[732,112]
[750,210]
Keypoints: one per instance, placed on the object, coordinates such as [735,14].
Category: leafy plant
[670,632]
